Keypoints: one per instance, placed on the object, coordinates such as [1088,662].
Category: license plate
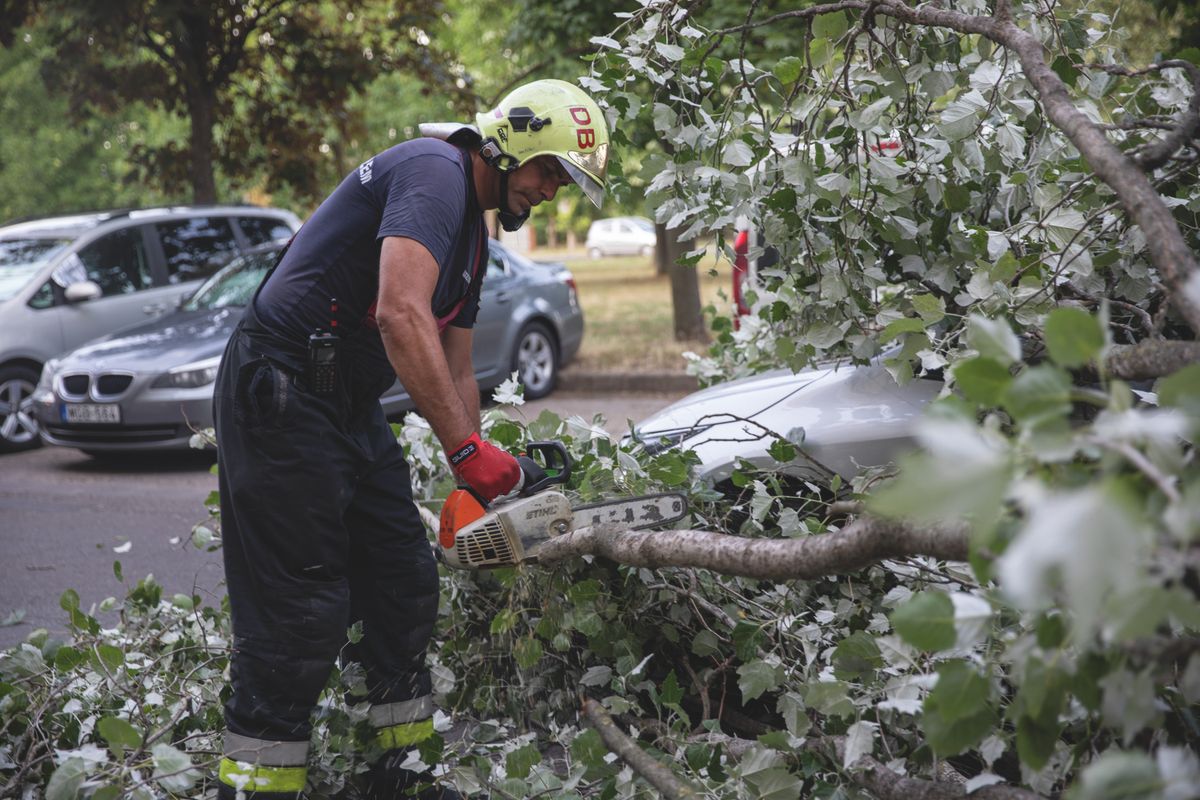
[92,413]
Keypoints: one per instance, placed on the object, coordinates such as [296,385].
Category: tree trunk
[685,288]
[662,259]
[201,106]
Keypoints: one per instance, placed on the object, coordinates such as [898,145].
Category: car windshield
[20,259]
[234,285]
[644,224]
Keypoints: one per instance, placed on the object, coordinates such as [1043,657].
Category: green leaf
[775,784]
[1065,69]
[504,621]
[957,198]
[857,656]
[69,600]
[957,714]
[898,327]
[930,308]
[520,762]
[589,749]
[1073,337]
[527,652]
[1036,740]
[782,451]
[831,698]
[68,658]
[705,643]
[173,768]
[67,780]
[926,621]
[1040,391]
[108,793]
[789,69]
[993,338]
[671,693]
[119,734]
[117,572]
[110,656]
[983,380]
[757,677]
[1181,389]
[1119,776]
[354,634]
[746,640]
[830,26]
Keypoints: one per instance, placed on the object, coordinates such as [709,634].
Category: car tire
[595,252]
[535,359]
[647,250]
[18,425]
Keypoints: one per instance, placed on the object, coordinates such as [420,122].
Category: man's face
[535,181]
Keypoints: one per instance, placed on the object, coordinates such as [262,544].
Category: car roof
[72,225]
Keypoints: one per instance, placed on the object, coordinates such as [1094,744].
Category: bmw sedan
[842,417]
[150,386]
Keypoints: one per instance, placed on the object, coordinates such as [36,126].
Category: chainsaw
[475,535]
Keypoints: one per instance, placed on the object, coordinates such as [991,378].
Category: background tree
[256,81]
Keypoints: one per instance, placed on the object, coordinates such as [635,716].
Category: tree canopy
[988,195]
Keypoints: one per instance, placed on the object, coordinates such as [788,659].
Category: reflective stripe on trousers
[261,765]
[403,724]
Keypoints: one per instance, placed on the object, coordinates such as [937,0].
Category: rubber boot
[387,780]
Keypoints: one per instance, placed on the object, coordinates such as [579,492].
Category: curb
[649,382]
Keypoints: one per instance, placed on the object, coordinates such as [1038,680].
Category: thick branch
[658,775]
[862,543]
[1152,358]
[1171,254]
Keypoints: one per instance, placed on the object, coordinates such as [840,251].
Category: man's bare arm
[456,342]
[408,275]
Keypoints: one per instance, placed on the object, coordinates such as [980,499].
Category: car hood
[159,344]
[745,397]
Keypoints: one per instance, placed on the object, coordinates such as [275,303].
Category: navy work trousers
[320,531]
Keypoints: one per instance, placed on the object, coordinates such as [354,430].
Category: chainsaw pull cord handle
[557,469]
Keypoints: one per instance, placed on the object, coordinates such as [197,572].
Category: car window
[234,285]
[20,260]
[495,265]
[196,247]
[260,230]
[116,262]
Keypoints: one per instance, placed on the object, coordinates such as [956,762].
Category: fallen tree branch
[873,776]
[865,541]
[656,774]
[1151,358]
[1160,152]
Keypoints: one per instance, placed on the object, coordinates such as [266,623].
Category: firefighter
[320,529]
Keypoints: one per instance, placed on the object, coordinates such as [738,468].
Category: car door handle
[154,308]
[502,297]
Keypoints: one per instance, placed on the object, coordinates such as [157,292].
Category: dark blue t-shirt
[418,189]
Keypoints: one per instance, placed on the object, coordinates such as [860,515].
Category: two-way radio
[322,376]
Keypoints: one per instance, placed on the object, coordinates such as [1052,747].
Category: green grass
[628,319]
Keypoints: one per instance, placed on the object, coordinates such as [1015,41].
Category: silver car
[843,417]
[150,386]
[66,280]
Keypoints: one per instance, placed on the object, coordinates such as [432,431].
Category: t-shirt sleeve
[425,199]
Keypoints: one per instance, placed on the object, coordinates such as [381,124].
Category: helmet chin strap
[509,220]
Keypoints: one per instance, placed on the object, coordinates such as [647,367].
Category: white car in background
[621,236]
[842,417]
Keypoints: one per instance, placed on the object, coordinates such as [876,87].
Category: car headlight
[189,376]
[46,380]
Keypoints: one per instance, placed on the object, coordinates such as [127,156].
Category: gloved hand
[487,469]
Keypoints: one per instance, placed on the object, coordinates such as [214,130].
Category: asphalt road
[66,517]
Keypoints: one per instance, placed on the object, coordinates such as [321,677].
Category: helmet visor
[591,187]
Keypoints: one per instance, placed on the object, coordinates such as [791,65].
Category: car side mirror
[83,291]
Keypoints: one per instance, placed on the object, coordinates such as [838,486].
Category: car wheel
[536,360]
[595,252]
[18,426]
[647,250]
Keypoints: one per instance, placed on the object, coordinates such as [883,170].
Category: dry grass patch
[627,312]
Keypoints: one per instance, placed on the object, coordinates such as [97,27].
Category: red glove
[487,469]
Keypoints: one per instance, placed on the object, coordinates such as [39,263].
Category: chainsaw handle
[557,469]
